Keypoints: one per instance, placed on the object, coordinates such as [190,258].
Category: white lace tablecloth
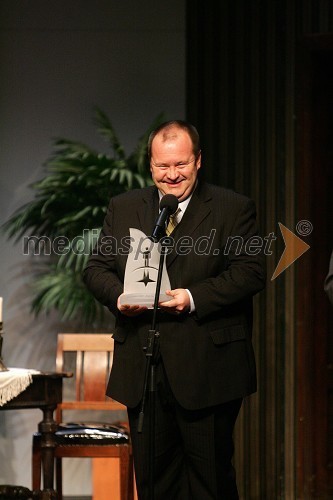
[14,381]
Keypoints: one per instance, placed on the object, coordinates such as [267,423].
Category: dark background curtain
[243,85]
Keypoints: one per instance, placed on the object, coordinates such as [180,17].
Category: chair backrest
[93,353]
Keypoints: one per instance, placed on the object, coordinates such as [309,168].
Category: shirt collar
[182,204]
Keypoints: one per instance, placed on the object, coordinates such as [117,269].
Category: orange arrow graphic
[294,248]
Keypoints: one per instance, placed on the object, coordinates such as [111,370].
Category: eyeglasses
[179,165]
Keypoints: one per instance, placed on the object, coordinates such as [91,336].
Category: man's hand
[179,303]
[130,310]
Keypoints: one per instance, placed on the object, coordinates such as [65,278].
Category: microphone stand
[150,379]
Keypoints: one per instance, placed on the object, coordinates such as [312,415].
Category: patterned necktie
[173,222]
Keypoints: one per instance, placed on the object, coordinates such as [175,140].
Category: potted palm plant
[65,216]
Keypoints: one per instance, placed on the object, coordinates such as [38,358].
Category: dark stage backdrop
[247,64]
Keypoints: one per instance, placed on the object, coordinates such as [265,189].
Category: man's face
[173,165]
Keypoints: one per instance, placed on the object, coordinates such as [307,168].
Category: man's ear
[198,161]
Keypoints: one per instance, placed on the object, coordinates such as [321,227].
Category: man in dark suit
[204,361]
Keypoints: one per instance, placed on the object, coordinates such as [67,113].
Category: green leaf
[107,131]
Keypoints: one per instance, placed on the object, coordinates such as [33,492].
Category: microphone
[168,206]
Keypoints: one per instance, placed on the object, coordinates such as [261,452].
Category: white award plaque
[141,272]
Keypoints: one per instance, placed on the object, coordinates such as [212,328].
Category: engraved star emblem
[146,279]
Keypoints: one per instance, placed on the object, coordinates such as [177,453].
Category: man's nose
[172,172]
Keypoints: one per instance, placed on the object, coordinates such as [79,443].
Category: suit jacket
[208,354]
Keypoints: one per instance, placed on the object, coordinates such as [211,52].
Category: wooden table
[45,392]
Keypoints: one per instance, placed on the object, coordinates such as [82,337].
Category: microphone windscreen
[169,201]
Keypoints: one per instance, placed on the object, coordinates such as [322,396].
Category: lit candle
[0,309]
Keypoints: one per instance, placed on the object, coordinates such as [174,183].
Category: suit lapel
[148,211]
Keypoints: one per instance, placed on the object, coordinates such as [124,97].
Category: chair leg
[130,477]
[105,478]
[126,474]
[125,469]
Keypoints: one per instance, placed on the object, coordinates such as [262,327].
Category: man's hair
[166,130]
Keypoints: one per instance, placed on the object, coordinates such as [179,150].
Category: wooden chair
[94,355]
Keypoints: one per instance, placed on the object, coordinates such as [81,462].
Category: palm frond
[65,291]
[106,130]
[140,153]
[69,203]
[75,255]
